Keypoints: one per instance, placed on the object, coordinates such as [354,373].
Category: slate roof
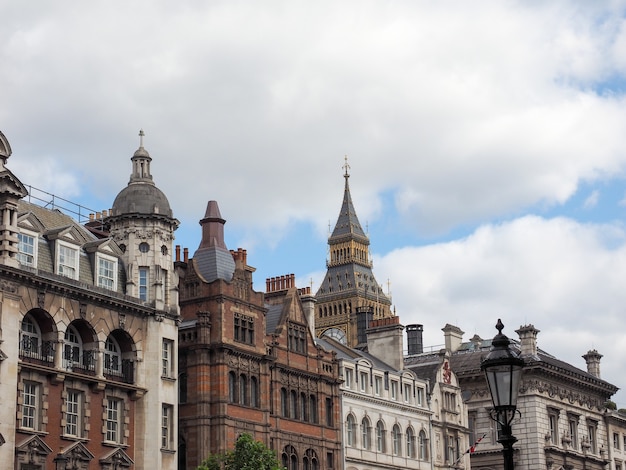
[348,224]
[344,352]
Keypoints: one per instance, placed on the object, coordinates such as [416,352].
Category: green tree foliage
[247,455]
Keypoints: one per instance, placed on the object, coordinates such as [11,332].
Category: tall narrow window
[329,412]
[167,362]
[112,357]
[284,403]
[378,386]
[351,430]
[363,376]
[107,273]
[73,348]
[553,421]
[592,427]
[232,387]
[313,408]
[254,392]
[293,405]
[380,436]
[113,419]
[366,436]
[243,389]
[31,405]
[396,439]
[423,449]
[348,374]
[573,431]
[394,390]
[167,427]
[143,283]
[26,249]
[30,343]
[410,443]
[67,264]
[73,405]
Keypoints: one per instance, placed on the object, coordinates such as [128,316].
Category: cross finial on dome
[345,166]
[141,134]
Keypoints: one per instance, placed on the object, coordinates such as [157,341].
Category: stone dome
[141,198]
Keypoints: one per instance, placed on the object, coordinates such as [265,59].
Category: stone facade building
[562,409]
[249,361]
[386,415]
[80,350]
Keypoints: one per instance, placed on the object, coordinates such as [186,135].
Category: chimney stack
[384,340]
[528,340]
[414,339]
[453,336]
[592,358]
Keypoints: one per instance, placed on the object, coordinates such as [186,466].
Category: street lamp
[503,370]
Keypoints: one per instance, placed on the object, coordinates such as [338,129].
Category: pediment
[33,445]
[29,221]
[105,246]
[117,458]
[77,452]
[69,233]
[10,184]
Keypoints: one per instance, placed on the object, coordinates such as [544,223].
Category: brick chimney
[453,336]
[528,340]
[592,358]
[384,341]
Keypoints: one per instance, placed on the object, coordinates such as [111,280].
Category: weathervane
[345,166]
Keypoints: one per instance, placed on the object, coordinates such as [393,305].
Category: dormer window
[67,260]
[106,275]
[27,249]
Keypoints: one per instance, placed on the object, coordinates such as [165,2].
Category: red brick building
[248,362]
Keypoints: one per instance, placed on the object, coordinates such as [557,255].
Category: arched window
[310,460]
[254,392]
[366,433]
[304,415]
[73,348]
[290,458]
[112,357]
[396,439]
[423,449]
[30,344]
[284,403]
[351,430]
[293,405]
[243,389]
[313,408]
[380,436]
[232,387]
[410,443]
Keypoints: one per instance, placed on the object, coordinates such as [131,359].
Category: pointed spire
[212,258]
[348,222]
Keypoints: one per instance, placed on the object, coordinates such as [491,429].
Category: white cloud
[592,200]
[563,277]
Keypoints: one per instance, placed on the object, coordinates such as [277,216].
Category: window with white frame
[423,448]
[30,342]
[410,443]
[73,348]
[349,377]
[351,430]
[394,390]
[112,357]
[31,405]
[27,249]
[420,396]
[407,393]
[378,385]
[67,260]
[113,418]
[73,413]
[553,421]
[107,272]
[167,359]
[167,427]
[396,440]
[366,433]
[380,436]
[573,430]
[143,283]
[363,381]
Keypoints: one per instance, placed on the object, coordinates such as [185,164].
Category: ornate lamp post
[503,370]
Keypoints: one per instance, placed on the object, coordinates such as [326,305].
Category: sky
[486,143]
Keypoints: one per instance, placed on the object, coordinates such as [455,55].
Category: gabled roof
[354,355]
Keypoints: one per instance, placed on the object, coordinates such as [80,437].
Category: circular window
[144,247]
